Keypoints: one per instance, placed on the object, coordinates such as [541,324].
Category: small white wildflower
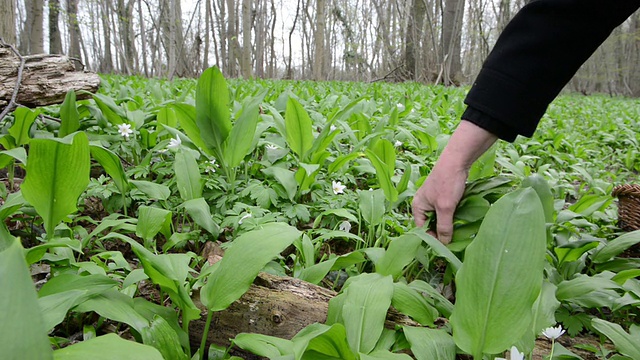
[400,107]
[211,166]
[332,128]
[345,226]
[553,333]
[271,147]
[162,151]
[245,216]
[398,143]
[337,187]
[174,144]
[125,130]
[370,189]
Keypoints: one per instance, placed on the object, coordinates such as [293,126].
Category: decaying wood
[276,306]
[45,81]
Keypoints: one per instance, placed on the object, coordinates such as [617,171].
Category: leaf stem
[205,333]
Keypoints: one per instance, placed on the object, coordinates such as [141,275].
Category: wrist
[466,145]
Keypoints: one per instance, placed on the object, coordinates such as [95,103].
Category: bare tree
[247,24]
[55,40]
[75,36]
[319,41]
[451,41]
[8,21]
[124,10]
[31,36]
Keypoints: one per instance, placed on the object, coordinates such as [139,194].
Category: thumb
[444,226]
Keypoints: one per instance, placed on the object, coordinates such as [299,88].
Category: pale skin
[442,190]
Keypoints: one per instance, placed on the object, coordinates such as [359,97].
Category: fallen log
[45,79]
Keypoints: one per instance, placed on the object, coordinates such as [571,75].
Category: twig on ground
[12,103]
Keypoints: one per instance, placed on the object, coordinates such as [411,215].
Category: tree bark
[414,37]
[46,79]
[247,24]
[8,21]
[55,40]
[31,39]
[318,39]
[451,41]
[232,35]
[74,31]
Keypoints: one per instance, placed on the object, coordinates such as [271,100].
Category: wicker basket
[628,206]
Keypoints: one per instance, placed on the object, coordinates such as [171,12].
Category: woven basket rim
[626,190]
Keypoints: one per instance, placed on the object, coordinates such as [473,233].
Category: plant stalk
[203,342]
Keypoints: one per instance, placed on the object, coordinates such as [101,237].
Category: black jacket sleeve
[534,58]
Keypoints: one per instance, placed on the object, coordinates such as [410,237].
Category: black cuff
[489,123]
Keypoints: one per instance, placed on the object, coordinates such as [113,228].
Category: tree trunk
[143,39]
[8,21]
[106,63]
[55,41]
[247,22]
[318,39]
[451,41]
[414,37]
[231,42]
[31,39]
[74,32]
[125,24]
[46,79]
[260,37]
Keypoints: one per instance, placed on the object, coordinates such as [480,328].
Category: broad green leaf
[111,111]
[169,271]
[385,151]
[383,174]
[69,116]
[243,261]
[627,344]
[315,273]
[622,277]
[400,253]
[616,247]
[151,220]
[341,161]
[240,140]
[384,355]
[107,347]
[36,253]
[298,126]
[263,345]
[168,116]
[188,178]
[213,116]
[544,316]
[438,248]
[541,186]
[484,166]
[186,115]
[472,208]
[116,306]
[12,203]
[328,343]
[7,156]
[444,306]
[412,303]
[591,203]
[23,333]
[372,207]
[572,251]
[200,212]
[24,119]
[161,336]
[366,302]
[151,189]
[49,186]
[286,178]
[501,276]
[112,165]
[584,285]
[430,344]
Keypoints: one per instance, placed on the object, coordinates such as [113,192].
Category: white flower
[211,165]
[337,187]
[125,130]
[400,107]
[345,226]
[332,128]
[245,216]
[515,354]
[398,143]
[271,147]
[174,143]
[553,332]
[370,189]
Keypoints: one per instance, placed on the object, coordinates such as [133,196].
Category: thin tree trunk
[247,22]
[55,41]
[451,41]
[31,39]
[260,37]
[231,42]
[318,39]
[143,39]
[207,35]
[106,65]
[74,32]
[289,74]
[8,21]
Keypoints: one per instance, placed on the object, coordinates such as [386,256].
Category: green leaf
[23,333]
[263,345]
[372,207]
[298,125]
[285,177]
[151,220]
[429,344]
[541,186]
[324,342]
[12,203]
[341,161]
[112,165]
[572,251]
[366,302]
[161,336]
[438,248]
[444,306]
[240,140]
[484,166]
[400,252]
[200,212]
[111,111]
[472,208]
[243,261]
[384,355]
[386,152]
[69,116]
[213,117]
[616,247]
[168,116]
[24,119]
[625,343]
[410,302]
[188,178]
[315,273]
[383,174]
[116,306]
[186,115]
[152,190]
[501,276]
[107,347]
[49,186]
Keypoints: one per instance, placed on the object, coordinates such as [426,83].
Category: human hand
[442,190]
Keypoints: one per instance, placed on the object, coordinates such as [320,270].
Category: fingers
[444,225]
